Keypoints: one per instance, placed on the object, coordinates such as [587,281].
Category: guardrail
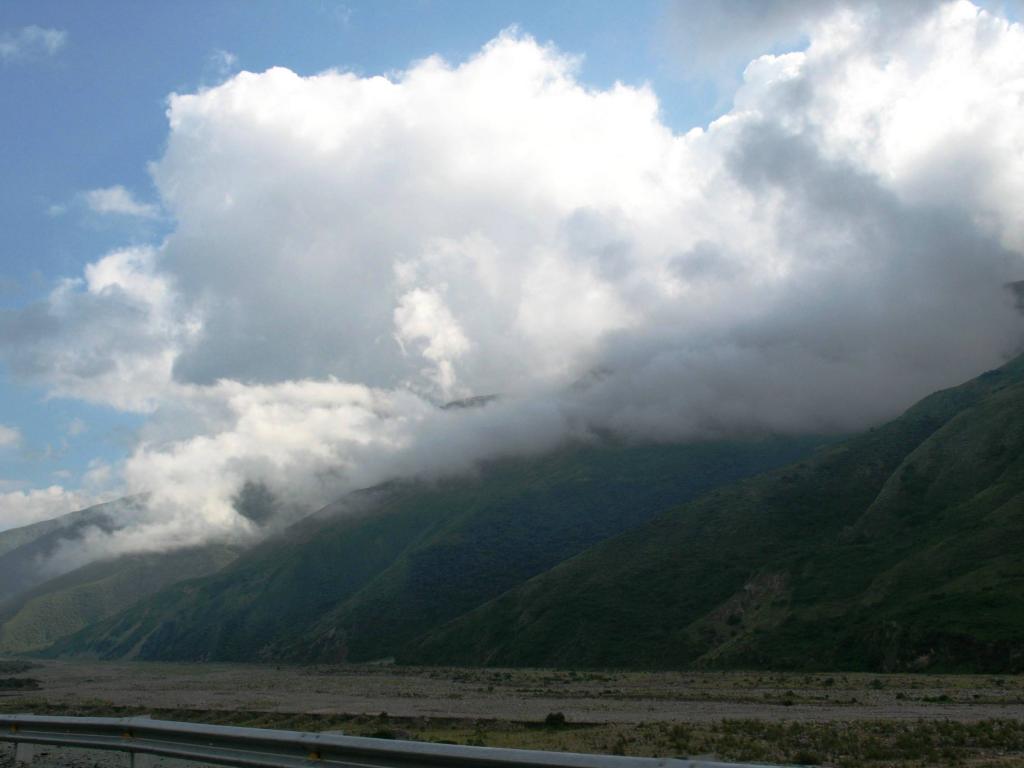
[145,739]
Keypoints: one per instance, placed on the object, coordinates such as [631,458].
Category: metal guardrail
[145,739]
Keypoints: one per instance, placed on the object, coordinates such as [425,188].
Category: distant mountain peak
[477,401]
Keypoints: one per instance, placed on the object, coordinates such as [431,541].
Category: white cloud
[119,201]
[31,42]
[349,251]
[422,317]
[9,436]
[546,219]
[18,508]
[110,337]
[77,427]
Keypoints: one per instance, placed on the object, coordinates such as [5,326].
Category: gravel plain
[525,695]
[842,719]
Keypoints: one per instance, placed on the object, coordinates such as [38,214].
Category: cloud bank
[350,252]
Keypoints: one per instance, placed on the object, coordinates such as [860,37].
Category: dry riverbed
[835,719]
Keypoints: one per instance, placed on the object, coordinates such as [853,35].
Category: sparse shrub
[19,683]
[554,720]
[478,739]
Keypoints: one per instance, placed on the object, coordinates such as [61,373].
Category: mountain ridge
[690,563]
[360,585]
[890,550]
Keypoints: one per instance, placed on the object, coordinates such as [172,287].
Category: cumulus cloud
[31,42]
[109,337]
[529,221]
[422,317]
[351,252]
[118,200]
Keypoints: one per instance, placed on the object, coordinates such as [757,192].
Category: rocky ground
[619,697]
[837,719]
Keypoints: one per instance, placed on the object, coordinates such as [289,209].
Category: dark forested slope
[365,578]
[899,549]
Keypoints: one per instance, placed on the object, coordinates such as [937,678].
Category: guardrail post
[24,753]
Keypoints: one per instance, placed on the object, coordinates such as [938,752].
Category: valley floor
[838,719]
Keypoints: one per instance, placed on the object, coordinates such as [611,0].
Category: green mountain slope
[900,548]
[14,538]
[68,603]
[364,579]
[27,554]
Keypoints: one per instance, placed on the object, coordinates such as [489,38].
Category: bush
[554,720]
[19,683]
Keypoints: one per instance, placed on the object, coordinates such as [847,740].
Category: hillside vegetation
[898,549]
[369,575]
[31,555]
[64,605]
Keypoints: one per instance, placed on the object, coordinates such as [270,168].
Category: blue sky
[92,115]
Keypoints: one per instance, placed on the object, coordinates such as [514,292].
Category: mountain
[13,538]
[30,555]
[369,575]
[898,549]
[67,603]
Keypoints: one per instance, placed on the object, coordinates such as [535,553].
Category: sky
[264,242]
[91,115]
